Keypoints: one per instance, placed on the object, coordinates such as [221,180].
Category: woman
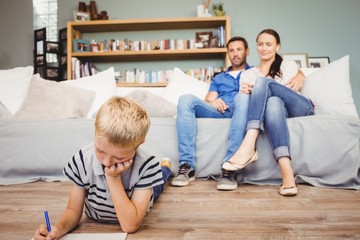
[272,101]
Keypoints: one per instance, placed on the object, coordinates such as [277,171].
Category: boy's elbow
[130,228]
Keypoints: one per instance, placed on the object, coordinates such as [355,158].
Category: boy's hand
[42,233]
[116,169]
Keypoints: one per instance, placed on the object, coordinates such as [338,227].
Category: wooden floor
[200,211]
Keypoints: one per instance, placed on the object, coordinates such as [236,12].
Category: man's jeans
[191,107]
[270,104]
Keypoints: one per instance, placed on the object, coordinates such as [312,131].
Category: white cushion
[103,84]
[4,112]
[14,84]
[308,71]
[123,91]
[155,105]
[48,99]
[180,83]
[330,90]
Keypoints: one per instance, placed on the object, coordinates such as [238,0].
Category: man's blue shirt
[226,85]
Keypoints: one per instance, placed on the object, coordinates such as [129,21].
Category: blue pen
[48,225]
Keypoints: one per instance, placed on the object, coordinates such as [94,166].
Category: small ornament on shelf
[202,10]
[218,9]
[89,12]
[206,6]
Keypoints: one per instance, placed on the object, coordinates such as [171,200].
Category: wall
[319,28]
[16,33]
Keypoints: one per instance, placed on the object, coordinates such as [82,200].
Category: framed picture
[52,47]
[81,16]
[40,34]
[63,34]
[204,38]
[214,42]
[318,62]
[40,70]
[52,73]
[40,47]
[301,59]
[63,60]
[81,45]
[63,48]
[40,60]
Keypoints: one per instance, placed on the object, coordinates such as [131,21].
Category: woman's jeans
[191,107]
[157,190]
[270,104]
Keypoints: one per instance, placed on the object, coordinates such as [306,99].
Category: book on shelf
[86,68]
[143,45]
[140,76]
[163,76]
[81,68]
[201,40]
[222,37]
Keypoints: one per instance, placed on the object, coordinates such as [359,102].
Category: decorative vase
[218,12]
[200,10]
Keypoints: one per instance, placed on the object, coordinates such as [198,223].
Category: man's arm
[211,96]
[216,102]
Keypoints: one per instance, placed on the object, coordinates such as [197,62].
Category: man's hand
[116,169]
[219,105]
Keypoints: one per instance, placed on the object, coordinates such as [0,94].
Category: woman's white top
[289,69]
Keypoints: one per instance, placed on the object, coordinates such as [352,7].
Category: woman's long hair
[275,66]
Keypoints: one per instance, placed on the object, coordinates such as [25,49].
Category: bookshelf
[76,29]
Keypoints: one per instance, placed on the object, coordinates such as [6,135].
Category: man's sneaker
[227,180]
[185,175]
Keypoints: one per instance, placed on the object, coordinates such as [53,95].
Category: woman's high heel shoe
[230,166]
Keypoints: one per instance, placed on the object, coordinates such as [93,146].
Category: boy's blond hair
[123,122]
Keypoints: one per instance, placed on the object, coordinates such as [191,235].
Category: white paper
[94,236]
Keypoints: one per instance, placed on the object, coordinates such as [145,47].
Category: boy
[115,180]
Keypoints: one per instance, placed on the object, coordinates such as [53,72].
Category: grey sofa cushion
[325,149]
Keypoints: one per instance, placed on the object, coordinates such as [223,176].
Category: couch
[37,141]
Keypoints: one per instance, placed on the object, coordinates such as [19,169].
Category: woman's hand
[297,82]
[246,87]
[116,169]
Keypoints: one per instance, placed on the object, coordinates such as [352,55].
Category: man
[222,101]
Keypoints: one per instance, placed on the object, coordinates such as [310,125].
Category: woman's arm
[297,82]
[292,77]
